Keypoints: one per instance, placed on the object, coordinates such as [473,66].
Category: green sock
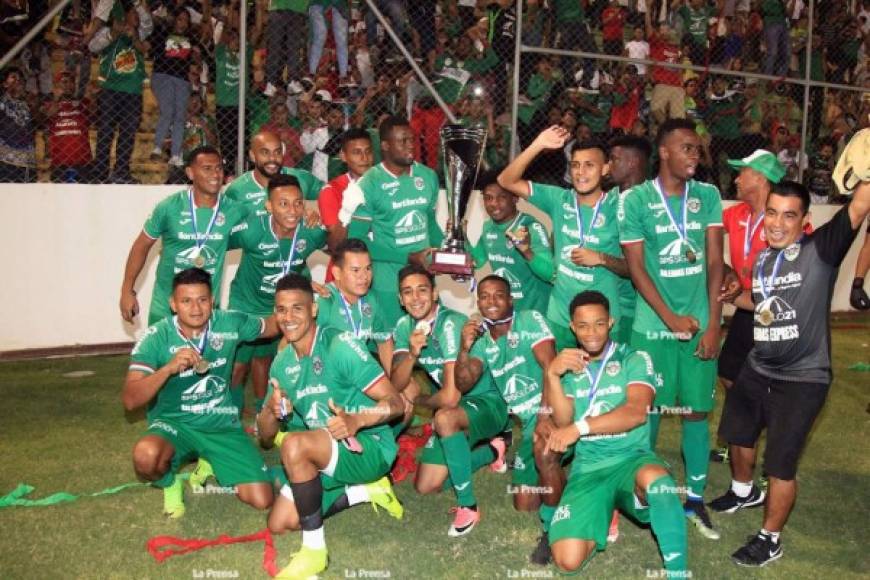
[668,522]
[696,454]
[458,456]
[545,512]
[237,394]
[653,419]
[481,456]
[258,403]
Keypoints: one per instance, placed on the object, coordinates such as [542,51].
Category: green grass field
[71,434]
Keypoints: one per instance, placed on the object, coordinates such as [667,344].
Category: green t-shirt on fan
[122,67]
[291,5]
[226,86]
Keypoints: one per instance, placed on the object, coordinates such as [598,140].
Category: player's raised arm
[511,178]
[135,262]
[468,368]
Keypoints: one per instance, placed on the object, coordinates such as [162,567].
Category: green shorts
[261,348]
[587,504]
[622,329]
[385,288]
[525,472]
[685,379]
[564,336]
[487,417]
[232,454]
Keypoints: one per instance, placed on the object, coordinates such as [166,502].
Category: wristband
[582,426]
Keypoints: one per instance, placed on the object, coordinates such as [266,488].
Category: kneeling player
[326,378]
[430,335]
[600,400]
[181,369]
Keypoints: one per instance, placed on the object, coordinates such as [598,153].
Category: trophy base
[456,264]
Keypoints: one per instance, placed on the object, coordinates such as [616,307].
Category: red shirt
[735,220]
[68,142]
[623,116]
[329,204]
[612,20]
[662,51]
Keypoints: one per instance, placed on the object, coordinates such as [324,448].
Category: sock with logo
[237,394]
[308,496]
[653,420]
[545,512]
[668,522]
[741,489]
[696,454]
[480,457]
[458,456]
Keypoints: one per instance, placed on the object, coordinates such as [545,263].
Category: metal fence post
[807,80]
[243,84]
[515,91]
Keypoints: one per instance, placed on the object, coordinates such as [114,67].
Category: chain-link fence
[118,91]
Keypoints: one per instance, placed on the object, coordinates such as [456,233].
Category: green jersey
[226,71]
[528,290]
[441,348]
[599,232]
[625,367]
[681,282]
[339,368]
[186,241]
[511,363]
[454,74]
[201,401]
[266,259]
[246,189]
[696,22]
[122,67]
[362,319]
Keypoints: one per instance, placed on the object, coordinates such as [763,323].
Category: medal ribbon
[164,547]
[580,218]
[348,313]
[593,389]
[765,292]
[200,347]
[749,234]
[285,264]
[681,231]
[198,241]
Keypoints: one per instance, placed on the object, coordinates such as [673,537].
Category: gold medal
[765,317]
[201,367]
[691,257]
[199,261]
[424,327]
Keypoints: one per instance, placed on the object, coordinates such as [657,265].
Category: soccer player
[671,232]
[514,350]
[585,232]
[272,245]
[357,154]
[787,375]
[601,397]
[398,196]
[497,245]
[194,226]
[181,370]
[326,379]
[464,421]
[267,154]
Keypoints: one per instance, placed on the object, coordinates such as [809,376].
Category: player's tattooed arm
[615,264]
[468,369]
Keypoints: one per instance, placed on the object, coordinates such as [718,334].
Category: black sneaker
[759,551]
[719,455]
[541,554]
[697,514]
[731,502]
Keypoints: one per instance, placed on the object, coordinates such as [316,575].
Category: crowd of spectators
[318,67]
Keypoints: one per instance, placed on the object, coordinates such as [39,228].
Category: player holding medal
[272,245]
[671,232]
[466,418]
[194,226]
[785,380]
[181,370]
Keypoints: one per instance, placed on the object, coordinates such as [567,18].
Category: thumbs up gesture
[342,425]
[279,405]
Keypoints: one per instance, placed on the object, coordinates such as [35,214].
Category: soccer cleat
[306,563]
[759,551]
[542,554]
[381,494]
[719,455]
[173,499]
[464,521]
[200,475]
[500,464]
[697,514]
[613,532]
[731,502]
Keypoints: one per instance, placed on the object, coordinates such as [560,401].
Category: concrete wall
[64,249]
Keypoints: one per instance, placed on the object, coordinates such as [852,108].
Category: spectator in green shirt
[773,14]
[695,18]
[722,114]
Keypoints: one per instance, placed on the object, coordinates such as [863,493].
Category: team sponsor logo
[612,369]
[184,221]
[513,280]
[316,365]
[216,341]
[292,370]
[775,321]
[693,204]
[220,220]
[125,61]
[792,252]
[186,258]
[418,183]
[272,279]
[413,221]
[390,187]
[563,512]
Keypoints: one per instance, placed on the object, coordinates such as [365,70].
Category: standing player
[601,397]
[181,370]
[429,335]
[787,375]
[267,154]
[398,196]
[514,350]
[356,152]
[497,245]
[194,226]
[272,245]
[585,231]
[326,378]
[671,231]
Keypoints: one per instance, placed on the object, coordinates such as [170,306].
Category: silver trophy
[462,151]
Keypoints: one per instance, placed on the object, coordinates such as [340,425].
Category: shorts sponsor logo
[563,512]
